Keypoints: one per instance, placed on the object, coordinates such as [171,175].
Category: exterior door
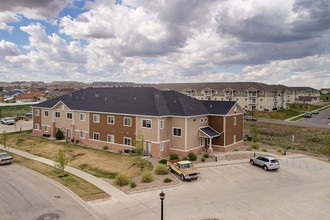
[146,148]
[68,133]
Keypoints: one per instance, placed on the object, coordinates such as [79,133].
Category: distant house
[32,97]
[118,117]
[11,95]
[307,100]
[325,90]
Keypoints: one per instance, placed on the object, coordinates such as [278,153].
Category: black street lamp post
[162,197]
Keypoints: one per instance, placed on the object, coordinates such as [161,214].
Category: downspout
[225,131]
[185,133]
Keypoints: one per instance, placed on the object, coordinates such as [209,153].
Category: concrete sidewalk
[120,202]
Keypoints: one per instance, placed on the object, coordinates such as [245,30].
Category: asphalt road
[27,195]
[300,189]
[19,126]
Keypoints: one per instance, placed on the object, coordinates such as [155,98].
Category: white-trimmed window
[82,134]
[96,118]
[202,120]
[110,138]
[235,120]
[127,121]
[46,128]
[96,136]
[146,123]
[111,120]
[57,114]
[69,115]
[36,126]
[177,132]
[161,146]
[161,124]
[46,113]
[36,112]
[205,120]
[234,139]
[82,117]
[127,141]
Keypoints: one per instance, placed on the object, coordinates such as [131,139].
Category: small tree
[326,147]
[60,161]
[4,139]
[255,137]
[59,135]
[139,147]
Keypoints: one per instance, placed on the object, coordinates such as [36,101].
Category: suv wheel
[265,168]
[251,162]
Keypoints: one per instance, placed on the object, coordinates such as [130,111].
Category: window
[127,121]
[96,136]
[96,118]
[177,132]
[69,115]
[234,120]
[36,112]
[127,141]
[82,134]
[36,126]
[110,138]
[46,128]
[57,114]
[46,113]
[111,120]
[161,146]
[202,120]
[146,123]
[82,117]
[234,139]
[205,120]
[162,124]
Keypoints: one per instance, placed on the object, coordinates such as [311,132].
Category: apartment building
[117,117]
[250,95]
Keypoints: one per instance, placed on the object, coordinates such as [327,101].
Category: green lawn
[325,97]
[12,111]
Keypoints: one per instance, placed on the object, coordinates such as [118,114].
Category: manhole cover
[48,216]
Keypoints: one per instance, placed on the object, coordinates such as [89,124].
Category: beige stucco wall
[164,133]
[81,125]
[149,134]
[177,142]
[193,125]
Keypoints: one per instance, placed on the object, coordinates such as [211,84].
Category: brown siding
[216,122]
[232,129]
[118,129]
[37,119]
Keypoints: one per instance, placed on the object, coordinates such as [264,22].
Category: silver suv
[266,162]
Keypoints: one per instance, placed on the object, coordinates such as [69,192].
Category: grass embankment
[293,110]
[12,111]
[99,163]
[306,139]
[325,98]
[80,187]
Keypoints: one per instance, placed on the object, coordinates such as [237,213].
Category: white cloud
[8,49]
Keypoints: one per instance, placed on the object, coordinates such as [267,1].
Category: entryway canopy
[209,132]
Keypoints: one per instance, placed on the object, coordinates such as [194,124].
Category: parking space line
[289,213]
[259,217]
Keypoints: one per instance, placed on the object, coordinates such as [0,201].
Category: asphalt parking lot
[318,120]
[19,126]
[300,189]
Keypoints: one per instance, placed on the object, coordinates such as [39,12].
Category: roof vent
[76,97]
[96,95]
[210,105]
[70,95]
[174,101]
[105,99]
[82,98]
[134,98]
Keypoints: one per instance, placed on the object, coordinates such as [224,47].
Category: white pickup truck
[183,168]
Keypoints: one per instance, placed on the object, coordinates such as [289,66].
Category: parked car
[8,121]
[266,162]
[183,168]
[19,117]
[29,115]
[315,112]
[249,118]
[5,158]
[308,115]
[329,117]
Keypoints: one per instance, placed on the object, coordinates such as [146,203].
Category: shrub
[163,161]
[192,156]
[122,179]
[279,150]
[255,145]
[264,149]
[105,147]
[203,159]
[147,177]
[133,184]
[161,169]
[174,157]
[119,152]
[59,135]
[167,180]
[206,155]
[185,158]
[83,166]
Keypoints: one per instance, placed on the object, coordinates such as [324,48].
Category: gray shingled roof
[136,101]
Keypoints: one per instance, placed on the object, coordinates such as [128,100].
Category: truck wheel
[170,169]
[182,178]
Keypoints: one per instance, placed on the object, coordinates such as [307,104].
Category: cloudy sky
[276,42]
